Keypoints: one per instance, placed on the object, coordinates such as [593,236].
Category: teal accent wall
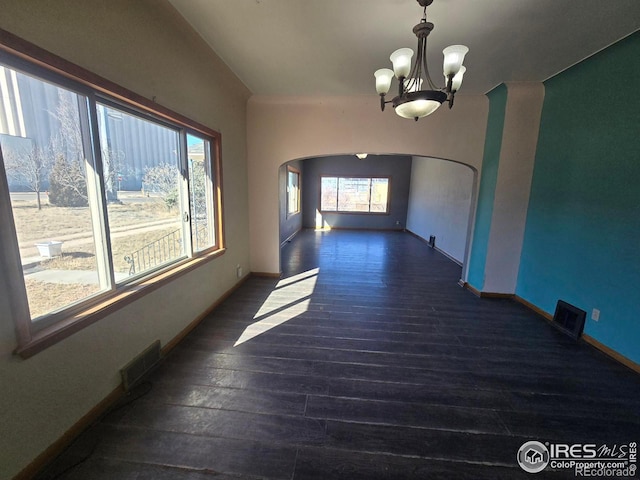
[488,179]
[582,236]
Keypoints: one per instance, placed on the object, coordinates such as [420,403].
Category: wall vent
[137,368]
[569,319]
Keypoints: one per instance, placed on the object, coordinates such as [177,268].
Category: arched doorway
[428,197]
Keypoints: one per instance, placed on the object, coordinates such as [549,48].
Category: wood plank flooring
[365,361]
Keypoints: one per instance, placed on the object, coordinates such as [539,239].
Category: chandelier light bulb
[401,60]
[413,84]
[417,108]
[383,80]
[453,58]
[457,79]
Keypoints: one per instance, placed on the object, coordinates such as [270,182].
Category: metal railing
[201,236]
[155,253]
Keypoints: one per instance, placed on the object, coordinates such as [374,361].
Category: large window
[46,167]
[354,194]
[104,197]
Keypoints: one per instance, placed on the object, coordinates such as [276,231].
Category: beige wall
[440,204]
[513,185]
[145,46]
[280,129]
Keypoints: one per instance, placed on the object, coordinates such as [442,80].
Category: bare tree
[29,168]
[163,179]
[68,139]
[113,165]
[67,182]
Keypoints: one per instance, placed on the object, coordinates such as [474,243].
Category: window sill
[103,307]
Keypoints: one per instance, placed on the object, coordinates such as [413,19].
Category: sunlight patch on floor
[281,306]
[301,277]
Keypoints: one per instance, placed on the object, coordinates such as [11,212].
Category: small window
[293,191]
[354,194]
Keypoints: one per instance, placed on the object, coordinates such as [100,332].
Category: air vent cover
[569,319]
[137,368]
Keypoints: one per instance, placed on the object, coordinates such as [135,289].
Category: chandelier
[412,101]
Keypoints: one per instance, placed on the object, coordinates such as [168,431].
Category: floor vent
[137,368]
[569,319]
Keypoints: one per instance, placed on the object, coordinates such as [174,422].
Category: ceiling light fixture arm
[422,31]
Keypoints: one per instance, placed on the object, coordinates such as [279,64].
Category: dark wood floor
[366,361]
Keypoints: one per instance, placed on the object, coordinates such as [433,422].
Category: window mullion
[185,193]
[209,194]
[97,195]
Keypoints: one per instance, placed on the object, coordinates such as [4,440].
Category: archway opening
[426,196]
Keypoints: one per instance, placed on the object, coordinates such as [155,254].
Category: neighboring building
[23,127]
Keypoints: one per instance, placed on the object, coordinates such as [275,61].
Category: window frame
[296,172]
[353,212]
[210,197]
[21,55]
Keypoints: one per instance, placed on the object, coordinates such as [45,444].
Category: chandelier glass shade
[418,96]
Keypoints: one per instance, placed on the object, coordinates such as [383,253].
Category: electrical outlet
[239,271]
[595,315]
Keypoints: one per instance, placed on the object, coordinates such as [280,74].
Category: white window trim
[356,212]
[291,170]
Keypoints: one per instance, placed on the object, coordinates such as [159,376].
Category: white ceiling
[332,47]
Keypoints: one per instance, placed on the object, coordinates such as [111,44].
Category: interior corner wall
[513,184]
[583,222]
[440,203]
[148,48]
[280,129]
[486,191]
[397,167]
